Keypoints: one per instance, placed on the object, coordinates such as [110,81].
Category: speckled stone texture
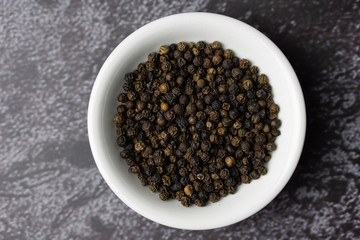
[50,53]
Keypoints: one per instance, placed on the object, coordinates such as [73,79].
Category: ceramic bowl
[246,42]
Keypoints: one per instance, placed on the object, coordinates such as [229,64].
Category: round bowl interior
[246,42]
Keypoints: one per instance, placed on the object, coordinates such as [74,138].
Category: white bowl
[246,42]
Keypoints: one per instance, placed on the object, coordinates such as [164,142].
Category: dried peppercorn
[216,60]
[216,105]
[227,65]
[225,173]
[230,161]
[215,45]
[244,64]
[214,197]
[195,121]
[201,83]
[173,130]
[188,190]
[161,121]
[164,196]
[245,179]
[191,108]
[201,116]
[200,45]
[228,53]
[234,114]
[270,147]
[192,120]
[164,50]
[196,51]
[181,46]
[198,61]
[236,73]
[254,175]
[164,88]
[170,98]
[205,146]
[185,201]
[262,170]
[222,131]
[235,141]
[164,106]
[262,79]
[275,123]
[169,115]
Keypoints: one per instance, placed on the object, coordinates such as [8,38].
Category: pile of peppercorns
[195,122]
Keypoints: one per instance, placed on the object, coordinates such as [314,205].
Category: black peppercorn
[260,138]
[161,121]
[244,64]
[214,197]
[245,147]
[122,97]
[169,115]
[234,114]
[170,98]
[181,46]
[188,55]
[208,99]
[270,147]
[129,77]
[224,173]
[191,108]
[227,64]
[250,94]
[191,69]
[205,146]
[236,73]
[181,62]
[262,79]
[198,61]
[230,161]
[216,105]
[178,109]
[177,54]
[183,100]
[200,45]
[253,107]
[228,54]
[200,125]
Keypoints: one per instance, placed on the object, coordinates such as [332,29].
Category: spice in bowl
[195,121]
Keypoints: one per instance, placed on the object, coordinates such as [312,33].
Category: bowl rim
[92,109]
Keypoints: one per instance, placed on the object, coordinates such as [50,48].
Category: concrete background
[50,53]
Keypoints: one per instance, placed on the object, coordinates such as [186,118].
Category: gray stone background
[50,53]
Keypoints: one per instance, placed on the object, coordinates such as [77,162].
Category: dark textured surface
[50,53]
